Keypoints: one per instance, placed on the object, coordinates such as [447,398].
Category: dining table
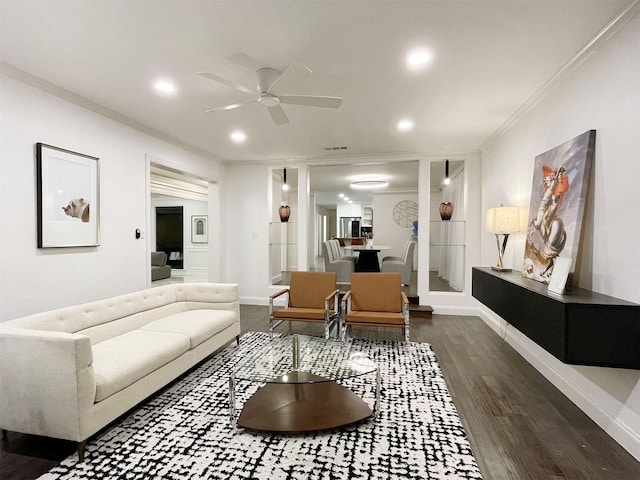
[367,260]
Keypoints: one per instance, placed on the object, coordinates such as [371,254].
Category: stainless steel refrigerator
[350,227]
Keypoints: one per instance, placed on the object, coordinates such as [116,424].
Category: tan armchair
[376,300]
[402,265]
[311,297]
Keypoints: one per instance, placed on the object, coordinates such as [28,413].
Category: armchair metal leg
[343,335]
[273,325]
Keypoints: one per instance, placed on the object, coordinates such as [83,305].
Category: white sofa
[69,372]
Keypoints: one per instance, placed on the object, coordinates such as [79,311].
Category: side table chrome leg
[232,404]
[296,352]
[376,407]
[232,400]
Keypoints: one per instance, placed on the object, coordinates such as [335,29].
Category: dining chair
[311,297]
[402,265]
[375,300]
[343,266]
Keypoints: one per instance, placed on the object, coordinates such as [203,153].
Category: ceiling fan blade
[278,115]
[311,101]
[228,83]
[245,61]
[293,65]
[231,107]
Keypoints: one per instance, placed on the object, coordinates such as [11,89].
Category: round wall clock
[405,212]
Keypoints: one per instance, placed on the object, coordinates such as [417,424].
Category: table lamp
[502,221]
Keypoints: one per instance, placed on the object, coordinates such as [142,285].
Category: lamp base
[500,269]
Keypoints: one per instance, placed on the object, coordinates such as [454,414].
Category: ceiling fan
[267,80]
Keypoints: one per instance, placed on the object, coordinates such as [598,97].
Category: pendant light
[284,211]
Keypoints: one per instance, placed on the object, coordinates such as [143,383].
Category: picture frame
[199,229]
[561,269]
[68,203]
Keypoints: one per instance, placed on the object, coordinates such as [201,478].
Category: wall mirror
[447,226]
[283,225]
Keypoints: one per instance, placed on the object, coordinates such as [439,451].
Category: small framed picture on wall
[199,229]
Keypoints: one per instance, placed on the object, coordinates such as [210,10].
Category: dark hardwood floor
[519,425]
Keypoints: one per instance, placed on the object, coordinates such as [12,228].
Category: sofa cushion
[197,325]
[120,361]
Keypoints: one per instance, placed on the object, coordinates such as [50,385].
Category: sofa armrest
[46,382]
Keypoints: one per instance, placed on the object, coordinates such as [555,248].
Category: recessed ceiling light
[350,201]
[163,86]
[419,58]
[341,195]
[346,199]
[405,125]
[238,136]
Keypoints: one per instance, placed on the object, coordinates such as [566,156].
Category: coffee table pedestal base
[302,407]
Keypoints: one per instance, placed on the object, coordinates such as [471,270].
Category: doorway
[170,235]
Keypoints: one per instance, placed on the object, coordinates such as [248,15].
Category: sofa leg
[5,434]
[238,339]
[81,446]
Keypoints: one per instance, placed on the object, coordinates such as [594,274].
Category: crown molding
[22,76]
[604,35]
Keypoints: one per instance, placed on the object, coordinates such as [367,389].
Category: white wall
[603,93]
[247,230]
[32,279]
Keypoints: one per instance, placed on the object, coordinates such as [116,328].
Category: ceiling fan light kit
[267,78]
[268,100]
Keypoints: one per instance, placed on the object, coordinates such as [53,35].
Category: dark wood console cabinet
[581,327]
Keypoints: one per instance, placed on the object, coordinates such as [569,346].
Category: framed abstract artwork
[199,229]
[67,198]
[558,196]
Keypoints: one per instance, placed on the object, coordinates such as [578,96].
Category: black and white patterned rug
[184,432]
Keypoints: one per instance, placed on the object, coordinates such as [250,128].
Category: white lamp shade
[503,220]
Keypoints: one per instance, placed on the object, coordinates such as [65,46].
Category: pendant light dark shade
[446,169]
[284,211]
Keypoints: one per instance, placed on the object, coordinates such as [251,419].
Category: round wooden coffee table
[301,391]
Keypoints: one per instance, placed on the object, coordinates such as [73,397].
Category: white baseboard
[453,310]
[560,375]
[254,301]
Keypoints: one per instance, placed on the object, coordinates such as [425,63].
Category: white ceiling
[490,57]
